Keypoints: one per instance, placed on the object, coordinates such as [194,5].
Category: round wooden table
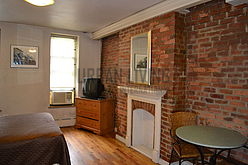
[211,137]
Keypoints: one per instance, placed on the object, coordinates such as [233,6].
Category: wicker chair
[183,150]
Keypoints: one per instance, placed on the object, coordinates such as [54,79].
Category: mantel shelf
[144,92]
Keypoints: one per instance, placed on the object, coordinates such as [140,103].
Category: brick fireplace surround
[200,59]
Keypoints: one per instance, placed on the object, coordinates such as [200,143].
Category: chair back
[179,119]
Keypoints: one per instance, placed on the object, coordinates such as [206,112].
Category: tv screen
[92,88]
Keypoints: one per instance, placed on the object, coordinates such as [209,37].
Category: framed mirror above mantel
[140,63]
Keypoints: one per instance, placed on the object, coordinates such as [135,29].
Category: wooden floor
[87,148]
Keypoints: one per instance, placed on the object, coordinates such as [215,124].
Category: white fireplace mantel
[152,96]
[148,93]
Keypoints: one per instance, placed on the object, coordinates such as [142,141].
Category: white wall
[27,90]
[89,59]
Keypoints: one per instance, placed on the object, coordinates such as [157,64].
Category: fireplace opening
[143,132]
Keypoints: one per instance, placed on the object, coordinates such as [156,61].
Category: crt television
[92,87]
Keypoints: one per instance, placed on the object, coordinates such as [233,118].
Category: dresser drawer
[87,105]
[93,114]
[89,109]
[87,122]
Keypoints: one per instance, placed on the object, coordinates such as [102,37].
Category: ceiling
[77,15]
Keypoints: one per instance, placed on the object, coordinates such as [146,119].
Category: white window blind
[62,63]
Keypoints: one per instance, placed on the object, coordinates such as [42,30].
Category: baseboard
[121,139]
[163,162]
[183,163]
[65,122]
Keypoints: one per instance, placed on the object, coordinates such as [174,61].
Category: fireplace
[144,120]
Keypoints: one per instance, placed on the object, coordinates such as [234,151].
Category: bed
[32,139]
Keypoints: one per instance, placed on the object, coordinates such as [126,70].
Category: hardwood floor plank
[87,148]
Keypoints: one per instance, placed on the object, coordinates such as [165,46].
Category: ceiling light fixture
[40,2]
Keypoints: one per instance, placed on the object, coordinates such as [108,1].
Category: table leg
[201,154]
[214,157]
[213,160]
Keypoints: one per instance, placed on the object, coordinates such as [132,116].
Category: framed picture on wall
[140,61]
[24,56]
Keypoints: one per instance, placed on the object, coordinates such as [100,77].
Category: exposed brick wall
[217,66]
[109,64]
[110,73]
[143,105]
[168,67]
[180,63]
[201,59]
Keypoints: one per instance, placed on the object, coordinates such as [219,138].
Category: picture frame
[140,61]
[24,56]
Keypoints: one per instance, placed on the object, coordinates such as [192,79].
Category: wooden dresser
[95,115]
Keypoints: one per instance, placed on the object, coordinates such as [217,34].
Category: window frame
[76,63]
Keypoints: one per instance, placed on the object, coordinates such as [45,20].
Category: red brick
[226,21]
[245,99]
[217,96]
[209,100]
[240,58]
[229,108]
[241,92]
[219,85]
[212,90]
[235,13]
[221,101]
[228,118]
[239,116]
[206,45]
[226,91]
[238,104]
[219,74]
[232,97]
[235,86]
[227,69]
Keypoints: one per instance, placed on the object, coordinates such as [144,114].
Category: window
[62,65]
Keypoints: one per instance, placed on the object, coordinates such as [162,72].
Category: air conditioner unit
[61,97]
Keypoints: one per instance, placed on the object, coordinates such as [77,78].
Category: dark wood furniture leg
[201,153]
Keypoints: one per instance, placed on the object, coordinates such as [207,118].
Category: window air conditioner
[61,97]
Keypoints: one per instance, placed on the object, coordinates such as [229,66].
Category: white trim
[129,122]
[156,10]
[121,139]
[177,163]
[163,162]
[149,96]
[140,151]
[143,92]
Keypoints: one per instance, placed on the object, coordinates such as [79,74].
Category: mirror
[140,58]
